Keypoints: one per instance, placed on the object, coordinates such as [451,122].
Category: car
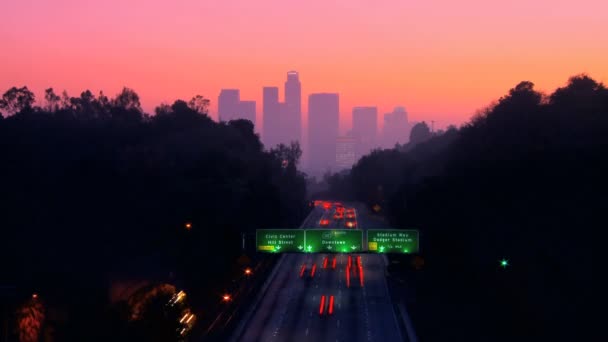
[351,224]
[324,223]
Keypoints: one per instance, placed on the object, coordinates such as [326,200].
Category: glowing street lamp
[248,271]
[226,298]
[188,225]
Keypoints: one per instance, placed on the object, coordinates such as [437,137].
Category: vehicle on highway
[349,215]
[350,224]
[338,216]
[324,223]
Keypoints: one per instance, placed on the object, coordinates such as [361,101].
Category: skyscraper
[228,104]
[345,152]
[323,120]
[293,99]
[272,116]
[365,127]
[247,111]
[396,127]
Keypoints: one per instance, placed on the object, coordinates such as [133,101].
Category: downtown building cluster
[325,149]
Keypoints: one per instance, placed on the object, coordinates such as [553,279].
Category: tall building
[272,116]
[247,111]
[345,152]
[365,127]
[323,120]
[228,104]
[292,122]
[396,127]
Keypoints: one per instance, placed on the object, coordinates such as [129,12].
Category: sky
[440,59]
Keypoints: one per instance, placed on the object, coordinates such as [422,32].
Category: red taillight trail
[302,269]
[312,272]
[324,262]
[322,306]
[347,277]
[331,305]
[333,264]
[361,275]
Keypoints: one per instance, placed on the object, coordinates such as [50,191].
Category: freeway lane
[289,309]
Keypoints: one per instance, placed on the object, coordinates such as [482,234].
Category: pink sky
[442,60]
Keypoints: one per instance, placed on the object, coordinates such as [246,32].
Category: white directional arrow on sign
[300,247]
[353,247]
[328,247]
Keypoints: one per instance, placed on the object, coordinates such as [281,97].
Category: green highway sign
[392,241]
[334,241]
[279,240]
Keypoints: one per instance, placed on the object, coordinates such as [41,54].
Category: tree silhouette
[97,190]
[420,133]
[52,100]
[17,100]
[513,182]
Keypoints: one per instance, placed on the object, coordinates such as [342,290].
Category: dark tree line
[92,188]
[523,180]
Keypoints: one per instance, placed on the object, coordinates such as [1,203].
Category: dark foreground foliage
[95,192]
[525,181]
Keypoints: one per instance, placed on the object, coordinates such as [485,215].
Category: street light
[248,271]
[226,298]
[188,225]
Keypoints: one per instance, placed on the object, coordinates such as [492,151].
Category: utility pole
[432,126]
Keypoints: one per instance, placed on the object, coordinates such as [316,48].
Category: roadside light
[248,271]
[504,263]
[34,296]
[188,225]
[226,298]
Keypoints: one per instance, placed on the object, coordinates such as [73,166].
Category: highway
[289,310]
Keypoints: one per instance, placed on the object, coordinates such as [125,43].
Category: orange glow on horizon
[442,60]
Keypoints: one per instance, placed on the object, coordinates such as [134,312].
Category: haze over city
[295,171]
[385,54]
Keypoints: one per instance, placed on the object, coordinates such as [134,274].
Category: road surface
[289,309]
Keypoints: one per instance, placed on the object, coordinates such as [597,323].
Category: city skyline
[442,60]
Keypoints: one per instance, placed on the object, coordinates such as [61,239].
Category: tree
[199,104]
[420,133]
[127,99]
[16,100]
[52,99]
[291,153]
